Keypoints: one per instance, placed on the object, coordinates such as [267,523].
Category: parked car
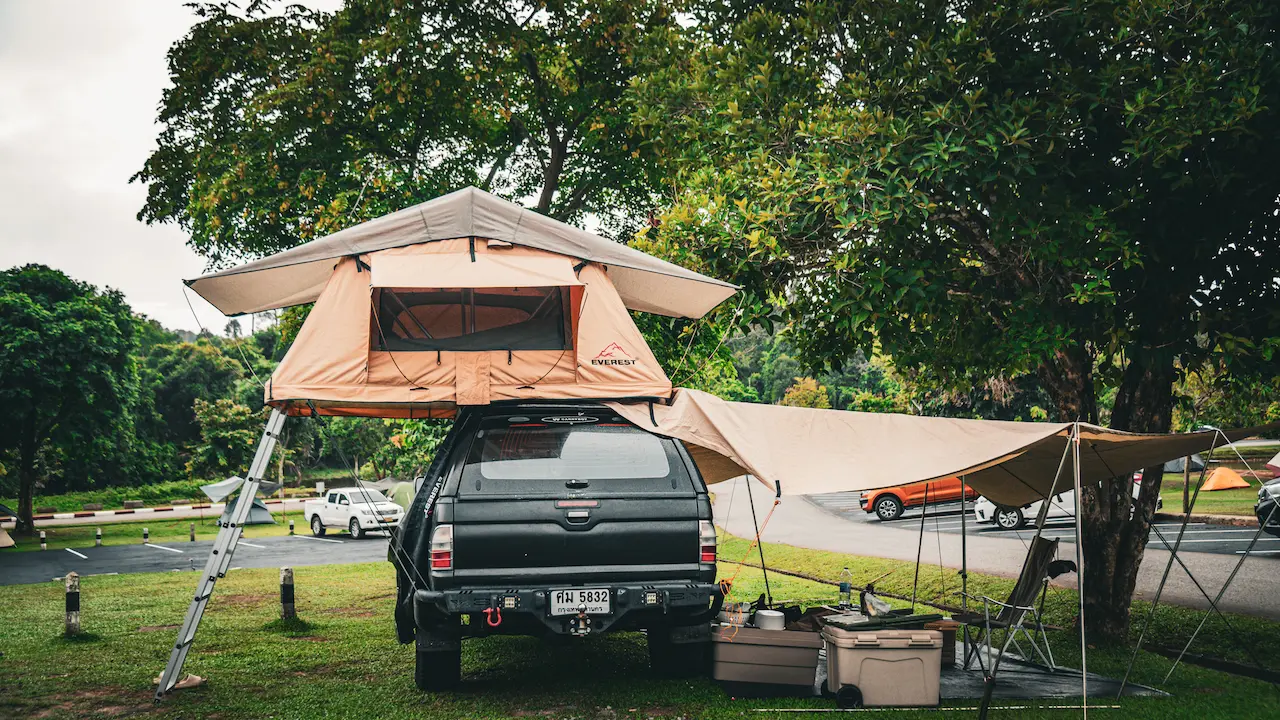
[357,510]
[1268,498]
[889,503]
[556,520]
[1061,505]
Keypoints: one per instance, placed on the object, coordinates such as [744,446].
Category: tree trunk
[1114,544]
[551,175]
[26,493]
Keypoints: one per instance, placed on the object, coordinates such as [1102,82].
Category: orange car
[888,503]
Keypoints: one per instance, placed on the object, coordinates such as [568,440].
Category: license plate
[388,519]
[567,602]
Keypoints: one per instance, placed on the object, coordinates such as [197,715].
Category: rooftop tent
[463,300]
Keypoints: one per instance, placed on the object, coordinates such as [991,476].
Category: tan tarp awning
[298,275]
[820,451]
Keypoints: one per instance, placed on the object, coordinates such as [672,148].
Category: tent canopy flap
[298,275]
[820,451]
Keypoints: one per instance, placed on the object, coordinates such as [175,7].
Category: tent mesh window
[467,319]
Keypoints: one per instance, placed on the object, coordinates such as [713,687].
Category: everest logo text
[613,355]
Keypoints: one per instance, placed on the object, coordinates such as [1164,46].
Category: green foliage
[176,375]
[229,433]
[695,353]
[806,392]
[67,379]
[411,446]
[284,126]
[356,441]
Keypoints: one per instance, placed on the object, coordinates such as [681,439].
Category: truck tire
[437,670]
[678,660]
[317,527]
[353,527]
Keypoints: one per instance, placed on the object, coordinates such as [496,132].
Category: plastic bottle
[846,590]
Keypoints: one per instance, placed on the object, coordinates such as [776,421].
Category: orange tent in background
[1224,478]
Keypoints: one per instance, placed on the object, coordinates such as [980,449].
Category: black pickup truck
[565,519]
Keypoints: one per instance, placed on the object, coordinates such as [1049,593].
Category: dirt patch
[311,638]
[383,596]
[243,599]
[157,628]
[350,612]
[108,701]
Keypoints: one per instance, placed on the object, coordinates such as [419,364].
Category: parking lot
[945,518]
[18,568]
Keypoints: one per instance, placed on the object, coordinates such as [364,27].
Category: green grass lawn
[162,531]
[1217,502]
[345,662]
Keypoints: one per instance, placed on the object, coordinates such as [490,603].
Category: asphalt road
[35,566]
[945,518]
[801,522]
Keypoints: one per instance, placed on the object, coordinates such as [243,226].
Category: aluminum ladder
[220,557]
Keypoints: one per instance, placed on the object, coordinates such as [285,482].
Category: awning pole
[1084,647]
[924,511]
[759,545]
[964,551]
[1173,555]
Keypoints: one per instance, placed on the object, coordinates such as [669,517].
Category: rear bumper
[634,606]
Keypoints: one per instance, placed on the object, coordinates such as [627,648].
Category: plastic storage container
[883,668]
[773,657]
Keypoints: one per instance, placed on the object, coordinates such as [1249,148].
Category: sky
[80,84]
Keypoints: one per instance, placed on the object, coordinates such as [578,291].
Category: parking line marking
[1228,540]
[311,537]
[161,547]
[73,552]
[1260,552]
[260,547]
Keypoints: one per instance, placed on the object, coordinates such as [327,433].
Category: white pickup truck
[358,510]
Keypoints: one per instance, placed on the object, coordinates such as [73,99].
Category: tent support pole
[768,595]
[1084,647]
[924,511]
[1173,555]
[964,565]
[1230,578]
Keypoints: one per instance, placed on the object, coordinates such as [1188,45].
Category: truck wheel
[354,528]
[317,527]
[437,670]
[888,507]
[677,660]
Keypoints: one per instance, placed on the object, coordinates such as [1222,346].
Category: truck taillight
[442,548]
[706,541]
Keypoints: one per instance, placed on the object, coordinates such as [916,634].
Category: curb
[140,511]
[1234,520]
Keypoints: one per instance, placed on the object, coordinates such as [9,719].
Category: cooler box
[891,668]
[774,657]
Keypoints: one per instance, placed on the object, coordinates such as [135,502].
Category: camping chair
[1018,614]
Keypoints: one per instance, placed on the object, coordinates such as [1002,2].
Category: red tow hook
[493,616]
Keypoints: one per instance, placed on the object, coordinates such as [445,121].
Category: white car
[357,510]
[1062,505]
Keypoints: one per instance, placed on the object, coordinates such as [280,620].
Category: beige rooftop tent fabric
[374,345]
[1224,478]
[819,451]
[299,274]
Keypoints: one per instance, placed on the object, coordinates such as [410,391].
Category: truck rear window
[595,457]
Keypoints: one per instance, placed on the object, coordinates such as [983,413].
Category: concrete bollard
[146,536]
[97,538]
[73,605]
[43,545]
[193,532]
[290,527]
[287,610]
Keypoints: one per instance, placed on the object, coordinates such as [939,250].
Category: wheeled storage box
[771,657]
[883,668]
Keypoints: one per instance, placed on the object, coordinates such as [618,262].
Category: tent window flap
[471,319]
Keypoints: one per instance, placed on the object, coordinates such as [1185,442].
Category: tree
[229,433]
[806,392]
[66,372]
[352,440]
[282,127]
[177,375]
[1083,191]
[232,329]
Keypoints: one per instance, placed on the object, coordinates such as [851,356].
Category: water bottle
[846,590]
